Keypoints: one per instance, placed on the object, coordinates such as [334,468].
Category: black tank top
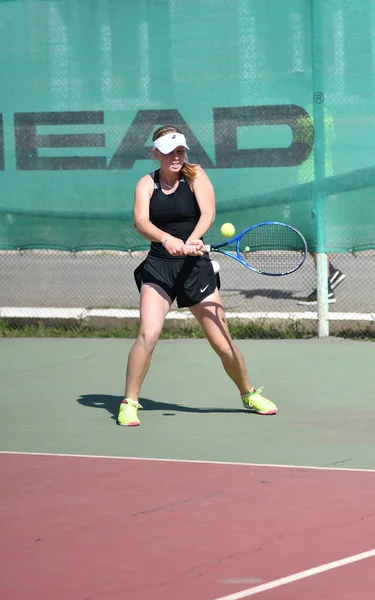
[177,214]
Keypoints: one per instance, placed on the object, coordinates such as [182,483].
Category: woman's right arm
[141,216]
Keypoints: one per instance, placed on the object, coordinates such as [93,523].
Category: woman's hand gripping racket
[269,248]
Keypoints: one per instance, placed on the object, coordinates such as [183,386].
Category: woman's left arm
[205,195]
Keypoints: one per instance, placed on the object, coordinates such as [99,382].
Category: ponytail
[189,171]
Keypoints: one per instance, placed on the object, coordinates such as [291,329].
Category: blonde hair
[188,170]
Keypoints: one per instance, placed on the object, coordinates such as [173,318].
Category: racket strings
[272,248]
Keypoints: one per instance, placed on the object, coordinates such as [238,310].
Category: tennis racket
[269,248]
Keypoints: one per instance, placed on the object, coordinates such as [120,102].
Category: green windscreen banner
[276,99]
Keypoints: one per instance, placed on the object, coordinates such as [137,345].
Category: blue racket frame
[237,238]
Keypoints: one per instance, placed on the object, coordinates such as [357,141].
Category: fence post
[317,51]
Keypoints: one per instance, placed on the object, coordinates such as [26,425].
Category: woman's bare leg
[154,305]
[211,316]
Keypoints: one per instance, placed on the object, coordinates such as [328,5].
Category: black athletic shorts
[188,280]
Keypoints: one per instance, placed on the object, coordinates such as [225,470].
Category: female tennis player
[173,208]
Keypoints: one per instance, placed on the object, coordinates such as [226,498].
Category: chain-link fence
[276,100]
[97,291]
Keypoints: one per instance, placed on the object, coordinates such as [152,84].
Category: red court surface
[91,528]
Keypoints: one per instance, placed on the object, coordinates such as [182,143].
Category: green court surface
[62,396]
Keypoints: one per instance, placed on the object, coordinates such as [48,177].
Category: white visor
[170,141]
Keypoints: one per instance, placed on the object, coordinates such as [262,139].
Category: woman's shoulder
[146,182]
[200,175]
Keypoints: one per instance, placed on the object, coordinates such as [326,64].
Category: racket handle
[206,248]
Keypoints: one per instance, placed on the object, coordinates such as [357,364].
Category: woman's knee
[223,346]
[148,338]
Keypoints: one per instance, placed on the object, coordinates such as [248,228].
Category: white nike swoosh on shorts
[204,289]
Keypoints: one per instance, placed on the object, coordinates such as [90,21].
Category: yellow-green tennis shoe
[255,402]
[128,413]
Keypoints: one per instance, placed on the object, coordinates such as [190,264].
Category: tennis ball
[247,248]
[227,230]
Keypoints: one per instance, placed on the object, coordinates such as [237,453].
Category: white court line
[194,462]
[264,587]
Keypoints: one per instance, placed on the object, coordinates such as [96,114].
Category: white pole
[322,292]
[319,165]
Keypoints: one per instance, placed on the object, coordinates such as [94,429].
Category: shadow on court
[111,404]
[276,294]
